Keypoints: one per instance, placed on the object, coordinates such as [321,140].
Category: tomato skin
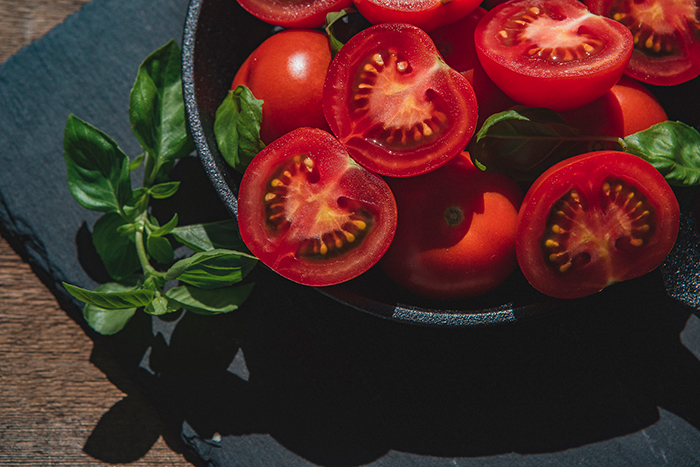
[320,199]
[455,41]
[291,14]
[425,14]
[624,110]
[394,103]
[287,71]
[528,63]
[672,23]
[434,259]
[605,243]
[490,98]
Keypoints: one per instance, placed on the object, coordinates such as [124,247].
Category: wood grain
[57,404]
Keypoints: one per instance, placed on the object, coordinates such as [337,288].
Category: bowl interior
[218,36]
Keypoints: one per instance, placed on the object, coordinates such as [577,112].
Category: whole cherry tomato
[593,220]
[287,72]
[455,236]
[626,109]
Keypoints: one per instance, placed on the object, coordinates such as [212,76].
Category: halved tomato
[312,214]
[394,103]
[552,53]
[593,220]
[426,14]
[666,37]
[293,13]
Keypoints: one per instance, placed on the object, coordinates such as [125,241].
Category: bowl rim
[506,313]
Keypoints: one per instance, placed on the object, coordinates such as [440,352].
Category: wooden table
[63,400]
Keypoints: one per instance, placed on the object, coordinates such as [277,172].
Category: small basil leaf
[160,305]
[331,19]
[156,106]
[118,253]
[237,127]
[112,299]
[109,322]
[210,236]
[167,228]
[210,301]
[98,170]
[164,190]
[137,204]
[523,142]
[136,163]
[160,249]
[673,148]
[212,269]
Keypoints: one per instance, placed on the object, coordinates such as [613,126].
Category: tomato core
[574,227]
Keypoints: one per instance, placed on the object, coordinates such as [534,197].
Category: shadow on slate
[294,379]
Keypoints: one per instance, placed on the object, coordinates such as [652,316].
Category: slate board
[294,379]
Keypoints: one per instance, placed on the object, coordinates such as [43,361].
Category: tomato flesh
[666,37]
[293,13]
[394,104]
[310,213]
[593,220]
[552,54]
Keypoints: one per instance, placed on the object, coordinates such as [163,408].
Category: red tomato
[626,109]
[593,220]
[287,72]
[455,41]
[310,213]
[288,14]
[552,53]
[456,232]
[666,40]
[426,14]
[395,104]
[490,98]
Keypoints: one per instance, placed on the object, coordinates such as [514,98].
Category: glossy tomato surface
[593,220]
[312,214]
[456,232]
[293,13]
[287,71]
[393,102]
[552,53]
[626,109]
[666,40]
[455,41]
[426,14]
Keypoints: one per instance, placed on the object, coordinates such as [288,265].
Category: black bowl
[218,36]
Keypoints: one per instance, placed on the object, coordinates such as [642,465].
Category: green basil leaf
[136,163]
[160,305]
[164,190]
[524,142]
[212,269]
[167,228]
[156,106]
[98,170]
[210,236]
[237,128]
[331,19]
[109,322]
[111,299]
[137,204]
[210,301]
[160,249]
[118,253]
[673,148]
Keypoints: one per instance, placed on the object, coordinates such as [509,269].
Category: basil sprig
[524,142]
[136,250]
